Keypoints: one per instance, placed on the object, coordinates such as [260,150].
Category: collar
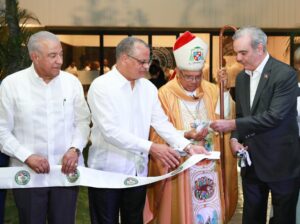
[120,79]
[259,68]
[192,94]
[175,87]
[35,77]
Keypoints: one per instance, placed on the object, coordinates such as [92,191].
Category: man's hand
[38,163]
[197,136]
[168,156]
[69,161]
[223,125]
[235,146]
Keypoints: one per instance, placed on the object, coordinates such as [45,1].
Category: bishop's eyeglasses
[191,78]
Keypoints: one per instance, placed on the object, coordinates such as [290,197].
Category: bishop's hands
[199,136]
[195,135]
[191,149]
[223,77]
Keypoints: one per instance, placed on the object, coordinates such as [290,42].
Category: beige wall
[166,13]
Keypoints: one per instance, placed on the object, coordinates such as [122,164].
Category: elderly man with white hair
[44,121]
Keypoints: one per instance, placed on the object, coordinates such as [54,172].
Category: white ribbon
[244,158]
[23,177]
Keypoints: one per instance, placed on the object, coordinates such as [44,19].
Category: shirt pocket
[68,107]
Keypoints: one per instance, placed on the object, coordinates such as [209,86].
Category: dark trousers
[3,163]
[105,205]
[36,205]
[2,205]
[284,199]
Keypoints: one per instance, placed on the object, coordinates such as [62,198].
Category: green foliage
[14,36]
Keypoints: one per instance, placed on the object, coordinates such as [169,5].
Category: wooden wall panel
[167,13]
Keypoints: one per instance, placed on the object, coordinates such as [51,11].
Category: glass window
[277,47]
[110,43]
[162,52]
[233,67]
[81,57]
[142,37]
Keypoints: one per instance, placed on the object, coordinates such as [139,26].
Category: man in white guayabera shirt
[44,121]
[124,105]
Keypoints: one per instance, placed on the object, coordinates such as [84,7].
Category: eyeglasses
[140,61]
[191,78]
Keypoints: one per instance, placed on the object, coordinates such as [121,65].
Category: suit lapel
[245,96]
[265,75]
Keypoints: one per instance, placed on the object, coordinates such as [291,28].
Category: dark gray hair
[126,46]
[34,43]
[256,34]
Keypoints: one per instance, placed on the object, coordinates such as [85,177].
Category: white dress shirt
[121,118]
[40,118]
[255,77]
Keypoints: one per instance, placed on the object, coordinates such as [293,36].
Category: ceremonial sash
[24,177]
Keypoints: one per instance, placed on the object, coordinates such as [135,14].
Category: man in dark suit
[266,123]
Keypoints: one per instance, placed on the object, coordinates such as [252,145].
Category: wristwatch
[75,150]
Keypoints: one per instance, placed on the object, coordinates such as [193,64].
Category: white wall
[166,13]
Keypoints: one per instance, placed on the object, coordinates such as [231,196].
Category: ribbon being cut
[23,177]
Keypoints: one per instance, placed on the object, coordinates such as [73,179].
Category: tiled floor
[237,217]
